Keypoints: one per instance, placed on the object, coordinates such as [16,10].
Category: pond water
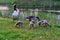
[53,17]
[58,16]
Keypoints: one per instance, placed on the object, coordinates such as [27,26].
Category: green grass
[9,32]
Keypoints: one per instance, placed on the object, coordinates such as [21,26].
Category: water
[51,17]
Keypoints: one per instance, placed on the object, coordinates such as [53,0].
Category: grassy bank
[9,32]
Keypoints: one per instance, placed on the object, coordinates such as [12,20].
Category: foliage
[31,3]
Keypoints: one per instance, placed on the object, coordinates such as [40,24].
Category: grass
[9,32]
